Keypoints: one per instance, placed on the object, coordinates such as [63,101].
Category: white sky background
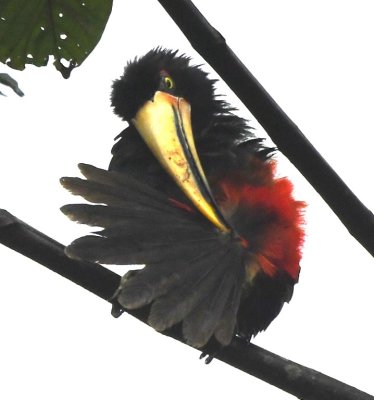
[59,341]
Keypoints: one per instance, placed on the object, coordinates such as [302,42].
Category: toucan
[192,198]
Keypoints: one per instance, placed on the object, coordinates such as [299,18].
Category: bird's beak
[165,125]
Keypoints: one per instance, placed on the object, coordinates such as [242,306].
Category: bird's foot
[117,309]
[208,357]
[210,350]
[246,339]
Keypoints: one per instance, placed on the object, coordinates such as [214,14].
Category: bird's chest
[249,210]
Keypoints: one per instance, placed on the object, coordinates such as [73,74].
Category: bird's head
[169,102]
[162,70]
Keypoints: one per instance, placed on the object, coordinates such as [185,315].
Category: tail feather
[199,325]
[178,303]
[202,321]
[132,251]
[193,273]
[96,192]
[109,216]
[135,221]
[226,325]
[119,179]
[152,281]
[158,279]
[115,189]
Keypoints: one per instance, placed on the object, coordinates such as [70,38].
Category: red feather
[283,236]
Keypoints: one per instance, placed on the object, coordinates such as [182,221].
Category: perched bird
[191,194]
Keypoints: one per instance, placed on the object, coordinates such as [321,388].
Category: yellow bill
[165,125]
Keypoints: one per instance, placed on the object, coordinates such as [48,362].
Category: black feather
[197,286]
[200,324]
[192,270]
[225,328]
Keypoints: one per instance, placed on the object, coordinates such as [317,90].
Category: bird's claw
[117,309]
[208,357]
[210,351]
[246,339]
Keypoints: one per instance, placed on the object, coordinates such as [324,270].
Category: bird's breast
[267,219]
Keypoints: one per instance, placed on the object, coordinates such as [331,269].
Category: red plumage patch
[282,237]
[181,205]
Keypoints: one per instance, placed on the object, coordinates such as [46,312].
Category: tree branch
[293,378]
[211,45]
[33,244]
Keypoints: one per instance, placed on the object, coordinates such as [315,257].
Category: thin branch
[293,378]
[211,45]
[7,80]
[33,244]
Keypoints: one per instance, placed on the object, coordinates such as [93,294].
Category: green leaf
[7,80]
[33,30]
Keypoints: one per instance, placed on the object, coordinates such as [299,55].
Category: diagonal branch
[211,45]
[293,378]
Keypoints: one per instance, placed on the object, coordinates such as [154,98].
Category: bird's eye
[169,83]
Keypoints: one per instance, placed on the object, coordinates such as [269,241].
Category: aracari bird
[191,194]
